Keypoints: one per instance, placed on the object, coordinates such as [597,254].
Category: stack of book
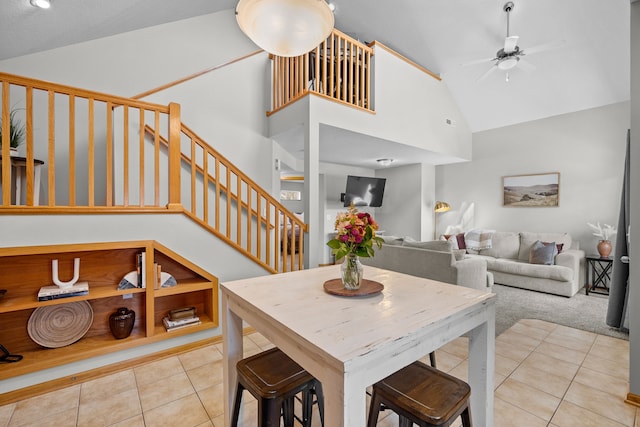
[48,293]
[180,318]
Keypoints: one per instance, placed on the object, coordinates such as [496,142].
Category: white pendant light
[42,4]
[285,27]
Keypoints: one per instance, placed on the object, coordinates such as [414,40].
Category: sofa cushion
[542,253]
[459,254]
[521,268]
[527,240]
[504,244]
[434,245]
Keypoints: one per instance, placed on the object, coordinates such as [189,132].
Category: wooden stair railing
[102,154]
[261,227]
[338,69]
[92,146]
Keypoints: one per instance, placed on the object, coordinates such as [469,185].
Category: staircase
[93,153]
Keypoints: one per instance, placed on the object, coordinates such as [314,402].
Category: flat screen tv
[364,191]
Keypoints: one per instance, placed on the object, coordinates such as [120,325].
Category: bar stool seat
[422,395]
[274,379]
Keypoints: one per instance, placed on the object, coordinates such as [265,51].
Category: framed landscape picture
[538,190]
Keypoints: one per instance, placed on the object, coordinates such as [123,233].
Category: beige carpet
[587,313]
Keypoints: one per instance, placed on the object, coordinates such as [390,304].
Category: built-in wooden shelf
[25,270]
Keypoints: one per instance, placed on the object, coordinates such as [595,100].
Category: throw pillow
[461,242]
[542,254]
[478,239]
[454,242]
[558,245]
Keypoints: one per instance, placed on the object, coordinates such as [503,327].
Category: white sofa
[508,260]
[432,260]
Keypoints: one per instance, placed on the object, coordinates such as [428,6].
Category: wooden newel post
[174,156]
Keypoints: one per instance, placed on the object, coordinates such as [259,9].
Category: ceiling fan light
[42,4]
[285,27]
[508,63]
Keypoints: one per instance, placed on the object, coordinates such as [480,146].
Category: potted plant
[17,132]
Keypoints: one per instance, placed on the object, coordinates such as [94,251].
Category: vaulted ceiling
[588,67]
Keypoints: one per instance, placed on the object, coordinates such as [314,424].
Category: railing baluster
[125,154]
[205,186]
[193,176]
[156,158]
[109,154]
[357,78]
[51,150]
[91,155]
[217,188]
[30,157]
[228,201]
[141,159]
[259,225]
[72,151]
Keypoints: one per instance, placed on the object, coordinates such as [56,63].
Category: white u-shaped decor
[76,273]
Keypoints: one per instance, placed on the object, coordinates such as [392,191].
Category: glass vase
[351,270]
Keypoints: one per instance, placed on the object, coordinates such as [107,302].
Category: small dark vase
[121,322]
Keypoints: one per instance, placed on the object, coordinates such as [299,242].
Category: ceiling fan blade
[485,75]
[510,44]
[542,47]
[478,61]
[525,65]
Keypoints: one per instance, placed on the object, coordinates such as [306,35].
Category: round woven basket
[59,325]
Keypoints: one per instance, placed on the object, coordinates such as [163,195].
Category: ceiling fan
[510,55]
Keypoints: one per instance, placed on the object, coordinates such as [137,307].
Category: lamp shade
[441,207]
[285,27]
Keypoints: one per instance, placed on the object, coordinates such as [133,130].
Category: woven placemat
[59,325]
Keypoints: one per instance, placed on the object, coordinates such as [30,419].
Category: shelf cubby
[25,270]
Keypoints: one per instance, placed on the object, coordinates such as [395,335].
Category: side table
[597,274]
[19,171]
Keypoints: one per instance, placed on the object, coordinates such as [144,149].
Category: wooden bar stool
[274,379]
[422,395]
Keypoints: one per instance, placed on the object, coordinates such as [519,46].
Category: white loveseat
[508,260]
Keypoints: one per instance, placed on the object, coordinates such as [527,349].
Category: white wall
[408,198]
[293,205]
[586,147]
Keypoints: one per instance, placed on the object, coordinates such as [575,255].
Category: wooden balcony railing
[98,153]
[339,69]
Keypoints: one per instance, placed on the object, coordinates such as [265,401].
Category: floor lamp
[439,207]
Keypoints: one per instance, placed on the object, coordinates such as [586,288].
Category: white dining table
[349,343]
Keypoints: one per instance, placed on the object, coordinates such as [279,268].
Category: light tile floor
[546,375]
